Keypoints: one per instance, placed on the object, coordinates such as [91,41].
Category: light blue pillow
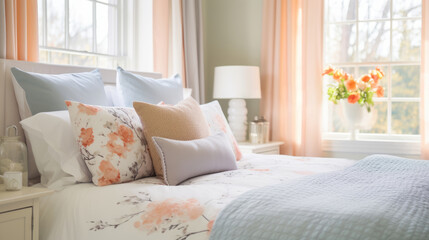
[47,92]
[136,88]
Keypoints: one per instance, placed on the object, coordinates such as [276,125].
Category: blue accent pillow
[47,92]
[136,88]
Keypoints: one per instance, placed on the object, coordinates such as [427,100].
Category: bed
[148,209]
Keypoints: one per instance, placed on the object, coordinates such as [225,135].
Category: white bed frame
[8,106]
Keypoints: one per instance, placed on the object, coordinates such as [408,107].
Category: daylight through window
[80,32]
[362,34]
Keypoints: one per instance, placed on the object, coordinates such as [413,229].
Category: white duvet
[147,209]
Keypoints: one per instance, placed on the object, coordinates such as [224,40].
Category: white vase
[355,115]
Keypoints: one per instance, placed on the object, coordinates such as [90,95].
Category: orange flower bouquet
[359,91]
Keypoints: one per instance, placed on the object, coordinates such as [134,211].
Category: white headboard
[8,106]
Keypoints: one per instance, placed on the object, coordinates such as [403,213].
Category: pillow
[113,96]
[207,155]
[111,143]
[114,99]
[187,92]
[217,122]
[184,121]
[55,150]
[37,92]
[132,87]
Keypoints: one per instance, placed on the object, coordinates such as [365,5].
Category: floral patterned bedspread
[148,209]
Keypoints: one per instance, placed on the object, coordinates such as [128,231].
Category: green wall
[232,36]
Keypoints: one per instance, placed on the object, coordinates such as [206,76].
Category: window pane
[107,62]
[340,44]
[43,56]
[406,40]
[406,81]
[59,58]
[41,24]
[341,10]
[55,23]
[377,123]
[374,41]
[109,1]
[408,8]
[89,61]
[405,118]
[106,33]
[80,30]
[370,9]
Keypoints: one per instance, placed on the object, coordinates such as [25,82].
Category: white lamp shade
[237,82]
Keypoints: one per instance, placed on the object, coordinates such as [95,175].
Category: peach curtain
[168,47]
[291,61]
[19,30]
[424,88]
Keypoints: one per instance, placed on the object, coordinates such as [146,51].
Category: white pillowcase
[218,123]
[55,150]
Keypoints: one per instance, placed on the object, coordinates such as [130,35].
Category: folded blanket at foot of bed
[380,197]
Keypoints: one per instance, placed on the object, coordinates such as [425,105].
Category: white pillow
[55,150]
[218,123]
[112,95]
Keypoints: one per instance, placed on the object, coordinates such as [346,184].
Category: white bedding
[147,209]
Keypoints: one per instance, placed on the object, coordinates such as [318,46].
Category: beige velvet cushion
[184,121]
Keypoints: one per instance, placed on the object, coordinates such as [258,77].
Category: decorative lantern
[259,130]
[13,154]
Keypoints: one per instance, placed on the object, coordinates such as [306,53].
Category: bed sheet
[148,209]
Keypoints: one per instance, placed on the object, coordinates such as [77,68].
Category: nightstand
[264,148]
[19,213]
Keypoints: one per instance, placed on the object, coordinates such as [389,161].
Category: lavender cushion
[183,160]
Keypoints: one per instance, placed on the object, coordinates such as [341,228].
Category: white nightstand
[19,213]
[265,148]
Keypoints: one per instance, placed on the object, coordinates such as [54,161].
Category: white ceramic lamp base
[237,118]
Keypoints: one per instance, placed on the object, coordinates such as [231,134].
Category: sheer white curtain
[178,42]
[424,87]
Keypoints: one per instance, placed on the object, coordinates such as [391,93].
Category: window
[80,32]
[362,34]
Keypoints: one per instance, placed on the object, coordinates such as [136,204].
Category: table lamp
[237,83]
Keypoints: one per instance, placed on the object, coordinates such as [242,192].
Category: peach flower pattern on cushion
[111,143]
[218,123]
[90,110]
[126,138]
[86,137]
[109,174]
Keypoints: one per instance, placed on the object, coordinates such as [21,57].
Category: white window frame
[367,143]
[119,56]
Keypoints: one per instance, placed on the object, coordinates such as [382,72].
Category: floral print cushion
[111,143]
[218,123]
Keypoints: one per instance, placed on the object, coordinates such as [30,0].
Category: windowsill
[373,146]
